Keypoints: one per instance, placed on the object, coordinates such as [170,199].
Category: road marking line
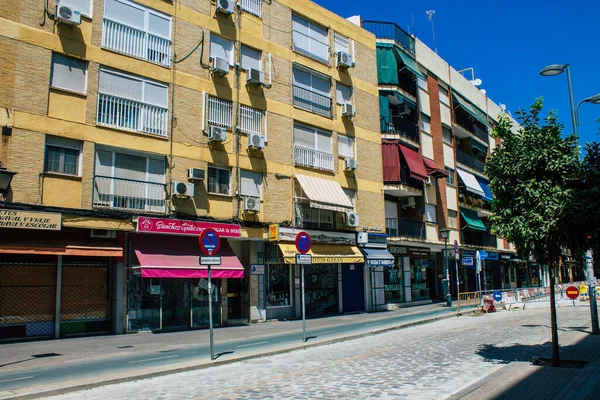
[152,359]
[374,323]
[17,379]
[252,344]
[323,333]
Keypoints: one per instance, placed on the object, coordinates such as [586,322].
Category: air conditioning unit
[255,77]
[362,237]
[347,110]
[351,219]
[429,181]
[256,141]
[408,202]
[344,59]
[403,109]
[220,66]
[67,14]
[195,174]
[103,233]
[226,7]
[251,204]
[351,163]
[182,189]
[217,134]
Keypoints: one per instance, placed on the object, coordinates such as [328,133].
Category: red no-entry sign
[572,292]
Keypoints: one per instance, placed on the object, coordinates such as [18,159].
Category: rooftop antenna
[431,17]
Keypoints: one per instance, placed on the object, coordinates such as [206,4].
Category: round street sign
[209,242]
[303,242]
[497,296]
[456,246]
[572,292]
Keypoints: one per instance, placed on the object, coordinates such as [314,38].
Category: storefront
[414,272]
[381,272]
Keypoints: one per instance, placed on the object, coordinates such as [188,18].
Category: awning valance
[325,254]
[387,65]
[378,257]
[470,108]
[391,161]
[415,163]
[324,194]
[162,256]
[84,251]
[409,63]
[433,169]
[485,185]
[479,147]
[472,219]
[471,183]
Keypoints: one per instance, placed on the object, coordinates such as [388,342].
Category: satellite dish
[503,107]
[476,82]
[483,91]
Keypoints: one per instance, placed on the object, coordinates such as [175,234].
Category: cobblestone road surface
[430,361]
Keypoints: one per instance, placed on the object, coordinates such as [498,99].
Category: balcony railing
[116,112]
[476,238]
[128,195]
[472,128]
[396,227]
[252,6]
[312,101]
[310,47]
[469,160]
[313,158]
[136,43]
[314,218]
[403,127]
[389,30]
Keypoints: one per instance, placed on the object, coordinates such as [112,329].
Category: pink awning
[163,256]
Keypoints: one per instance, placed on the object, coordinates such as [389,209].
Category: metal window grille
[220,112]
[127,194]
[251,120]
[310,46]
[136,43]
[117,112]
[252,6]
[312,101]
[342,43]
[313,158]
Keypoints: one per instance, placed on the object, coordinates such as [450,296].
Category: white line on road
[323,333]
[152,359]
[252,344]
[17,379]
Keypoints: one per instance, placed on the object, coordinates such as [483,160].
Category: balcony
[315,218]
[402,127]
[136,43]
[310,47]
[312,101]
[389,30]
[469,160]
[396,227]
[116,112]
[128,195]
[467,128]
[306,157]
[479,239]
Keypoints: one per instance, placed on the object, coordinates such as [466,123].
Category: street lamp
[445,234]
[595,99]
[6,177]
[557,69]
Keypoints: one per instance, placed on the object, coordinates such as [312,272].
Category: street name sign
[303,259]
[210,260]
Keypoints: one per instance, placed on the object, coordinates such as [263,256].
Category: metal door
[353,288]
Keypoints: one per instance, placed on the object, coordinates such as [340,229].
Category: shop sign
[467,261]
[273,232]
[417,252]
[506,256]
[257,269]
[379,262]
[468,253]
[185,227]
[155,289]
[372,228]
[30,220]
[392,288]
[492,256]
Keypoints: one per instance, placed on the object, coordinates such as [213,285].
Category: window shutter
[130,167]
[251,183]
[321,85]
[341,43]
[345,146]
[300,24]
[68,73]
[250,58]
[304,136]
[63,142]
[343,93]
[119,85]
[103,165]
[324,141]
[159,25]
[156,94]
[430,213]
[221,47]
[125,13]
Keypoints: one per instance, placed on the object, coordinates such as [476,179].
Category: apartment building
[129,127]
[435,125]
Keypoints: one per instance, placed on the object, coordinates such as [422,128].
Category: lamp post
[557,69]
[445,234]
[595,99]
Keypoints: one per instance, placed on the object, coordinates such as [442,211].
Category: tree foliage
[532,175]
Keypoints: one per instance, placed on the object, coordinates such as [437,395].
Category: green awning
[384,109]
[472,219]
[402,98]
[409,63]
[480,147]
[470,108]
[387,65]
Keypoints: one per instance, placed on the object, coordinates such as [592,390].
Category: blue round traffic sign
[497,295]
[303,242]
[209,242]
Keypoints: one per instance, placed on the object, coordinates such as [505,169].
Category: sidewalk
[34,369]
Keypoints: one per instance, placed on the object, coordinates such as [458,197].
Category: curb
[86,386]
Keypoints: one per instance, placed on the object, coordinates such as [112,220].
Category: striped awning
[324,194]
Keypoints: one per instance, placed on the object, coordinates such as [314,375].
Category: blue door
[353,287]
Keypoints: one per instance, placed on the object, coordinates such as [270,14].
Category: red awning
[433,169]
[415,163]
[391,161]
[162,256]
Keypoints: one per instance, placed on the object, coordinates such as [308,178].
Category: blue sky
[508,42]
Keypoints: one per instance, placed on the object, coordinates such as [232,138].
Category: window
[135,30]
[220,112]
[218,180]
[430,213]
[62,155]
[453,219]
[251,183]
[312,147]
[422,83]
[425,123]
[343,93]
[221,48]
[251,120]
[279,286]
[68,73]
[446,135]
[451,178]
[252,6]
[83,6]
[444,95]
[132,103]
[351,194]
[250,58]
[310,39]
[345,146]
[311,91]
[341,43]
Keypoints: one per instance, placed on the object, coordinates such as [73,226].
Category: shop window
[218,180]
[453,219]
[422,279]
[279,288]
[393,283]
[62,155]
[68,73]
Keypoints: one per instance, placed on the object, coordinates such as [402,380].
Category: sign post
[456,256]
[572,293]
[303,245]
[591,281]
[210,243]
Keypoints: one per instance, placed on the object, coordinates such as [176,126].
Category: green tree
[532,174]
